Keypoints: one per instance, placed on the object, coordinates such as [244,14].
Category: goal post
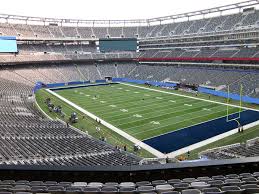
[228,118]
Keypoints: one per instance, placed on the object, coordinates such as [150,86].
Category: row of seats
[207,25]
[199,76]
[202,53]
[29,75]
[234,151]
[245,183]
[32,56]
[27,138]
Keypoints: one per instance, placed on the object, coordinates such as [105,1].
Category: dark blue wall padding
[40,85]
[184,137]
[225,95]
[100,81]
[81,86]
[37,87]
[117,79]
[54,85]
[75,83]
[153,83]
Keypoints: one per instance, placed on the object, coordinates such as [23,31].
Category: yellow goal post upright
[228,119]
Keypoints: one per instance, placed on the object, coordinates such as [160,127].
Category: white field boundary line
[210,140]
[76,129]
[43,112]
[151,89]
[113,128]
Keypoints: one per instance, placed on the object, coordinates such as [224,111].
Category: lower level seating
[28,138]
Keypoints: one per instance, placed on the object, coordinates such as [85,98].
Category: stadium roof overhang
[220,9]
[239,5]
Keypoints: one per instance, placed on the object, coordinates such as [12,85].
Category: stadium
[164,105]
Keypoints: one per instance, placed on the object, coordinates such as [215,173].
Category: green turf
[143,113]
[87,124]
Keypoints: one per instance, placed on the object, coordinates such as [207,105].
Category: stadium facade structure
[134,22]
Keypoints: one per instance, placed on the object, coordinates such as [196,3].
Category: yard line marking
[188,126]
[163,112]
[167,119]
[110,126]
[207,109]
[133,105]
[172,101]
[124,110]
[112,105]
[182,120]
[90,105]
[137,116]
[151,89]
[156,107]
[155,122]
[140,109]
[187,104]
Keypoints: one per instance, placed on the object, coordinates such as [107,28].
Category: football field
[143,113]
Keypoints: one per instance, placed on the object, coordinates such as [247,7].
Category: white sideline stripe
[113,128]
[210,140]
[36,103]
[151,89]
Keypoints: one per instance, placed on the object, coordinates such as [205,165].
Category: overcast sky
[106,9]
